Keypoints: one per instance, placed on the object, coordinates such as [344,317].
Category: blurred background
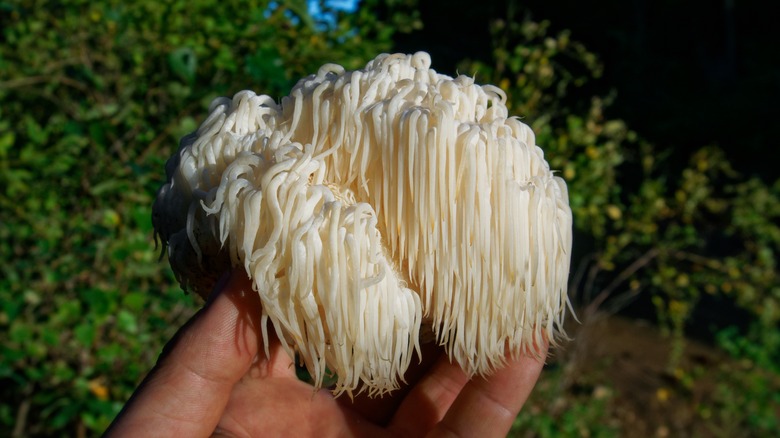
[657,114]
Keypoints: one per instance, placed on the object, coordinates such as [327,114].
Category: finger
[276,364]
[188,389]
[271,401]
[430,399]
[381,409]
[487,407]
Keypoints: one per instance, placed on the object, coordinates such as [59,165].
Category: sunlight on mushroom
[368,206]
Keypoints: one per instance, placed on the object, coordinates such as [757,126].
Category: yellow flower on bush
[98,389]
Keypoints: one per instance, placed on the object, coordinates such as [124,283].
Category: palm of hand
[211,380]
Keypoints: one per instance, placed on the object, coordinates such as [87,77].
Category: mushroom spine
[368,204]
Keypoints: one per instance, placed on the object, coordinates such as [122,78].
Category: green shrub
[648,223]
[553,412]
[645,222]
[93,98]
[746,400]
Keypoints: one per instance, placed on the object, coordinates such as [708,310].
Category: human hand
[213,379]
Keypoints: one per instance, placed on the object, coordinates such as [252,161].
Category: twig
[21,419]
[623,276]
[577,279]
[34,80]
[695,258]
[592,273]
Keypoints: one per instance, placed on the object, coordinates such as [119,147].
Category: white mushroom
[369,203]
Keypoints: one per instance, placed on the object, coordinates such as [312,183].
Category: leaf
[97,133]
[142,218]
[20,332]
[6,142]
[266,65]
[67,313]
[183,61]
[126,322]
[85,334]
[62,416]
[11,308]
[37,134]
[99,301]
[109,185]
[50,336]
[135,301]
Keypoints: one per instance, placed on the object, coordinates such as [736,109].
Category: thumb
[186,392]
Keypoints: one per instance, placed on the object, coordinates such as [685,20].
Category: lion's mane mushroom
[371,202]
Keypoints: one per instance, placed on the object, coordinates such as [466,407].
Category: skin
[213,379]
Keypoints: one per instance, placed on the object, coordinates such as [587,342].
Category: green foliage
[93,98]
[539,72]
[675,231]
[746,400]
[654,224]
[550,412]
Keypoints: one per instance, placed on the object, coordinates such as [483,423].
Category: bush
[648,221]
[645,222]
[746,400]
[93,98]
